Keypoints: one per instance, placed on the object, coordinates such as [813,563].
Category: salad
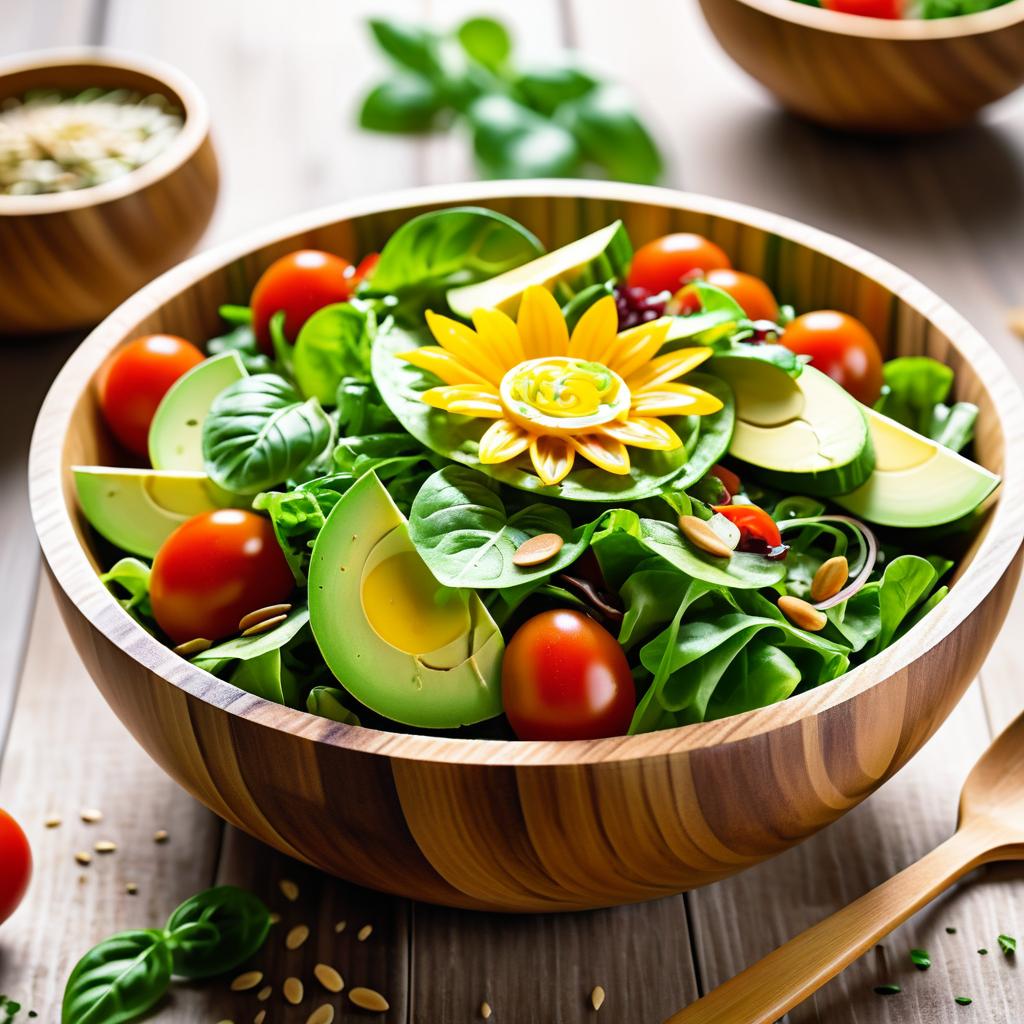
[895,9]
[470,486]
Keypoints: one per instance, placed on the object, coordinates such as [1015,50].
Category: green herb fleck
[983,952]
[1008,945]
[887,990]
[963,1000]
[920,959]
[951,931]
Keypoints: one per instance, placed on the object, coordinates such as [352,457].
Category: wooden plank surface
[282,86]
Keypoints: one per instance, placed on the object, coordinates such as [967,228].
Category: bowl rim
[194,131]
[906,30]
[73,572]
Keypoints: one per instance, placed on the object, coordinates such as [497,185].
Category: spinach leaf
[259,432]
[651,597]
[545,86]
[486,41]
[266,676]
[245,647]
[241,339]
[409,45]
[131,575]
[906,581]
[758,676]
[512,141]
[403,103]
[215,931]
[118,980]
[444,249]
[327,702]
[463,532]
[334,345]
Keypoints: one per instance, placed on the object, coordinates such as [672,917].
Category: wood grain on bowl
[541,826]
[871,75]
[69,258]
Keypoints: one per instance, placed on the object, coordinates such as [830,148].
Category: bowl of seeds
[107,178]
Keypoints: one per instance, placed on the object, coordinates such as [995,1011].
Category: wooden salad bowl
[872,75]
[540,826]
[69,258]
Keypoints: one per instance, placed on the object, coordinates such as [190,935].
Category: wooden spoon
[991,828]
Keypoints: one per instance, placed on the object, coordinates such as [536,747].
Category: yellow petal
[435,360]
[467,346]
[542,327]
[502,335]
[466,400]
[673,400]
[552,458]
[502,441]
[643,432]
[595,330]
[604,452]
[669,367]
[635,347]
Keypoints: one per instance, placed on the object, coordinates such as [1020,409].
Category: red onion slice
[868,547]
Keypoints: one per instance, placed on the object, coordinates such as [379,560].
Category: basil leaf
[610,133]
[462,531]
[334,343]
[486,41]
[546,86]
[327,702]
[513,141]
[131,575]
[241,339]
[259,433]
[409,45]
[402,103]
[216,930]
[118,980]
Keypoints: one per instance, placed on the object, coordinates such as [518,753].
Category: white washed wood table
[282,81]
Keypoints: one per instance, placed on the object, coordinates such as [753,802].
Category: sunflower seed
[289,890]
[105,846]
[340,927]
[367,999]
[53,821]
[260,1017]
[329,977]
[160,836]
[196,646]
[265,993]
[261,614]
[293,991]
[265,626]
[597,997]
[830,578]
[83,857]
[321,1015]
[538,550]
[485,1010]
[246,981]
[700,535]
[365,932]
[296,937]
[131,888]
[90,815]
[802,614]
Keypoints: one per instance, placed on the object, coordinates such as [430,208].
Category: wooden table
[282,80]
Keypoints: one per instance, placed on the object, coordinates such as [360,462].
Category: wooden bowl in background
[872,75]
[539,826]
[69,258]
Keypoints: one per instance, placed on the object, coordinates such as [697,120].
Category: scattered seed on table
[289,889]
[246,981]
[160,836]
[131,888]
[275,918]
[365,932]
[265,993]
[983,952]
[82,879]
[265,626]
[90,815]
[293,991]
[260,614]
[597,997]
[538,550]
[297,936]
[951,931]
[83,857]
[260,1017]
[485,1010]
[963,1000]
[53,821]
[367,999]
[340,927]
[321,1015]
[104,846]
[887,990]
[196,646]
[329,977]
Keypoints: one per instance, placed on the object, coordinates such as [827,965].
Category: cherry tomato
[134,380]
[15,865]
[866,8]
[566,678]
[840,346]
[758,530]
[662,265]
[300,283]
[367,265]
[215,568]
[728,479]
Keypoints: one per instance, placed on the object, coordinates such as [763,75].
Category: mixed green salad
[468,485]
[896,9]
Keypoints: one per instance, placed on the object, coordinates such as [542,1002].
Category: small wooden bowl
[69,258]
[871,75]
[539,826]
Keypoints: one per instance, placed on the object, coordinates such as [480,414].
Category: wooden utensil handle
[787,976]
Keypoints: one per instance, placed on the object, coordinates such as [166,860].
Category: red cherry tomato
[840,346]
[300,283]
[363,272]
[662,265]
[15,865]
[754,525]
[134,380]
[728,479]
[866,8]
[215,568]
[566,678]
[750,292]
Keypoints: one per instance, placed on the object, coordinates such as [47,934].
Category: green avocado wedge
[917,482]
[804,434]
[138,509]
[176,433]
[406,646]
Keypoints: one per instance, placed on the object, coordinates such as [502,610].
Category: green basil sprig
[550,120]
[120,979]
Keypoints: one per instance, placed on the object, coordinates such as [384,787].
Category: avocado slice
[176,433]
[917,481]
[138,509]
[593,259]
[804,433]
[406,646]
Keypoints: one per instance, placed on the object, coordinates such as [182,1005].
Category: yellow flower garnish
[557,396]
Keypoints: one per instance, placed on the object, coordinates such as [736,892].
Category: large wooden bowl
[870,75]
[69,258]
[539,826]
